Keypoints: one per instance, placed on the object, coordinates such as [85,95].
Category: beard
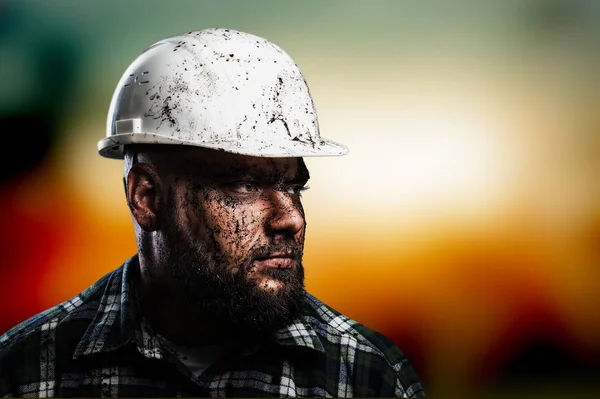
[217,291]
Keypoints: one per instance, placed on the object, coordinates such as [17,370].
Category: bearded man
[212,127]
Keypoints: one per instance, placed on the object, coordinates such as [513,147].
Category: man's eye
[246,187]
[296,189]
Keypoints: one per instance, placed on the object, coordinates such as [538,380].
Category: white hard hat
[220,89]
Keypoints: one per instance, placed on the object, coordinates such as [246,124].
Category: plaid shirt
[95,344]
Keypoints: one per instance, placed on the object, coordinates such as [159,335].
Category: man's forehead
[221,163]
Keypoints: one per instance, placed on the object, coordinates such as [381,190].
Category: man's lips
[276,261]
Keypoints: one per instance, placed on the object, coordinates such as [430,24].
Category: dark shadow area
[544,367]
[30,127]
[412,344]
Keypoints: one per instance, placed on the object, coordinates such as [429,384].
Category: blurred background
[464,224]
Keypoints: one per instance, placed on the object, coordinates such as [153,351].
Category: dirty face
[232,235]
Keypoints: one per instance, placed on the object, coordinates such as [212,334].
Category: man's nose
[286,216]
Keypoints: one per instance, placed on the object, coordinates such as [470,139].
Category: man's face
[233,234]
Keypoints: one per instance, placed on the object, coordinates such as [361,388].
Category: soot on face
[214,237]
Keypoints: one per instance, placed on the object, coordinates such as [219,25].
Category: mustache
[287,249]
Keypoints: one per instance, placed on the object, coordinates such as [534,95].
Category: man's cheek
[245,237]
[249,220]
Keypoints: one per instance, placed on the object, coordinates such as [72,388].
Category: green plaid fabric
[96,344]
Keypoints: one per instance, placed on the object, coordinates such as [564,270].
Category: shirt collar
[118,321]
[299,333]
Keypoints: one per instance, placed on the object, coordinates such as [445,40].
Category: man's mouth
[277,260]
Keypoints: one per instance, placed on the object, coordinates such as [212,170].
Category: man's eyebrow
[232,173]
[240,172]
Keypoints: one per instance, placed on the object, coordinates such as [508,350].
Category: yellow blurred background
[464,223]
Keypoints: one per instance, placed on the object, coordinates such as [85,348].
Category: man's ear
[143,195]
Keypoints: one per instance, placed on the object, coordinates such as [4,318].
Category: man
[213,126]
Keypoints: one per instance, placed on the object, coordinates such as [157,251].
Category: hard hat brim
[113,146]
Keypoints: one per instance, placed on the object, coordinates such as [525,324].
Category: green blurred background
[464,223]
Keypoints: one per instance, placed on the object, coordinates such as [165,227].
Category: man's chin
[275,304]
[262,301]
[274,281]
